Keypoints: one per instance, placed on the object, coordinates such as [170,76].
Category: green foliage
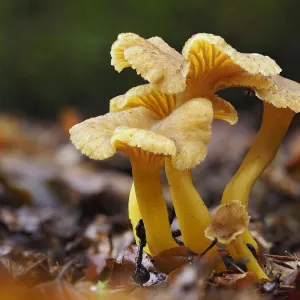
[56,52]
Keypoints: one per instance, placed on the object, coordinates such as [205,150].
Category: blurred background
[55,53]
[55,71]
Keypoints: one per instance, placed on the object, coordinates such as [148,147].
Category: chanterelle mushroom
[206,65]
[192,213]
[280,106]
[228,223]
[147,142]
[206,60]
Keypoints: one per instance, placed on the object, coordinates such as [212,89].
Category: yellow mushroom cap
[153,59]
[243,79]
[183,135]
[222,54]
[223,110]
[189,126]
[215,65]
[286,95]
[100,137]
[229,221]
[92,137]
[146,140]
[207,64]
[145,95]
[162,104]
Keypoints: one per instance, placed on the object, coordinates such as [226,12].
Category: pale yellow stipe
[192,213]
[274,126]
[238,250]
[232,251]
[248,239]
[134,214]
[153,208]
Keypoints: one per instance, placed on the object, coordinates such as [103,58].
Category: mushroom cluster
[167,124]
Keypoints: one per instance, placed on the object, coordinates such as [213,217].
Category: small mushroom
[228,223]
[280,105]
[206,65]
[190,130]
[128,131]
[147,142]
[192,214]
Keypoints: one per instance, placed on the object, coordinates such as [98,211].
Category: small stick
[34,265]
[66,267]
[237,267]
[214,242]
[140,275]
[176,233]
[199,256]
[172,215]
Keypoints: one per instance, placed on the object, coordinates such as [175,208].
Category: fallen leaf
[174,258]
[236,281]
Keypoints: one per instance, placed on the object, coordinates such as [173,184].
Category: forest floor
[65,233]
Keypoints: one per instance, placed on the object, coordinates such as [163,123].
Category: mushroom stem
[135,215]
[274,126]
[152,206]
[239,251]
[248,239]
[192,213]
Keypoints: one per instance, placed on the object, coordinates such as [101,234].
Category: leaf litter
[65,234]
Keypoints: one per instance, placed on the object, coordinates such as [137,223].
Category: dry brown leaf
[174,258]
[236,281]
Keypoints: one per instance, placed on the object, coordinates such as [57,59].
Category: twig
[237,267]
[176,233]
[214,242]
[171,215]
[34,265]
[66,267]
[140,275]
[199,256]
